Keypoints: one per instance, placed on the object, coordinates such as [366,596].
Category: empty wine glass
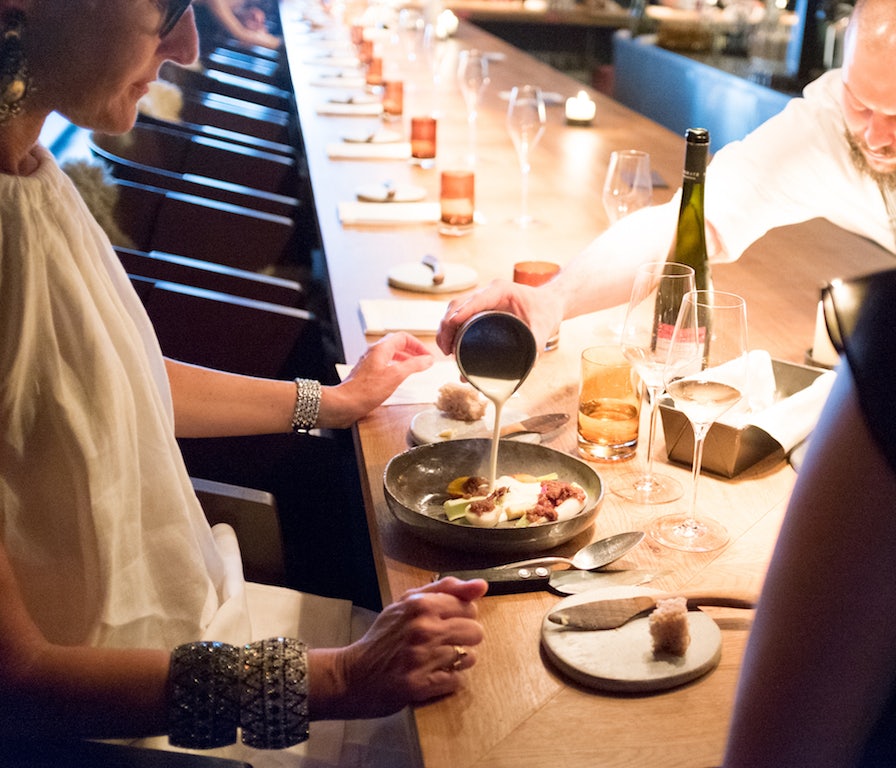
[525,123]
[472,79]
[656,298]
[629,183]
[706,374]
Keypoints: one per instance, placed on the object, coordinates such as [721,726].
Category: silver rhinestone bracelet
[307,408]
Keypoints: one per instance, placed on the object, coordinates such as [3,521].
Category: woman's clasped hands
[414,652]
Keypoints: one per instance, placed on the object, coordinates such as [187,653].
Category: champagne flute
[706,374]
[525,123]
[629,183]
[472,79]
[656,298]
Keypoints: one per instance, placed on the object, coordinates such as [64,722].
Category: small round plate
[622,659]
[356,98]
[416,276]
[380,136]
[384,193]
[433,426]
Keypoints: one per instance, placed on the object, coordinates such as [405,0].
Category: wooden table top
[515,709]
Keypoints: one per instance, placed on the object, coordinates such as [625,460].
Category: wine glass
[525,123]
[706,374]
[656,298]
[629,183]
[472,79]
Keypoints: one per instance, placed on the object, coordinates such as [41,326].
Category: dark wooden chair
[232,333]
[217,132]
[261,64]
[236,115]
[183,152]
[228,83]
[253,516]
[213,277]
[156,219]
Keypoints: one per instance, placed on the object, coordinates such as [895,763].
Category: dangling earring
[15,79]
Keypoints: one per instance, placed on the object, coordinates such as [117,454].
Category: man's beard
[885,180]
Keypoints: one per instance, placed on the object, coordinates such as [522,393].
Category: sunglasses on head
[174,9]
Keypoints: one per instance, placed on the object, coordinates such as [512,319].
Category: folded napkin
[369,150]
[788,420]
[342,62]
[364,110]
[352,212]
[420,387]
[417,316]
[341,80]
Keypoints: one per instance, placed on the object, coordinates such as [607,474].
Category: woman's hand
[415,651]
[377,374]
[539,308]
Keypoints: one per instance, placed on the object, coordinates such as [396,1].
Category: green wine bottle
[690,236]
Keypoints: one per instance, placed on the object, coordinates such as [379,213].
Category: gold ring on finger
[460,654]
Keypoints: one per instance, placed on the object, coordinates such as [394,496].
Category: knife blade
[507,581]
[609,614]
[542,424]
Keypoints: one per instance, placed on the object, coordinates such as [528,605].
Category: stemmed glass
[472,79]
[656,298]
[525,123]
[706,374]
[629,183]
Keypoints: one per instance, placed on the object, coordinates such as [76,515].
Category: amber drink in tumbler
[537,273]
[609,405]
[423,141]
[393,99]
[457,202]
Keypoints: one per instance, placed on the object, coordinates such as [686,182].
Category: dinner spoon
[589,558]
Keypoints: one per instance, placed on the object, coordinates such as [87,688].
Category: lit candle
[580,109]
[823,352]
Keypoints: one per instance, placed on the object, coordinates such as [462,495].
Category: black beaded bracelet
[204,695]
[274,698]
[262,687]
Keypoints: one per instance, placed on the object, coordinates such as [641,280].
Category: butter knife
[507,581]
[546,422]
[609,614]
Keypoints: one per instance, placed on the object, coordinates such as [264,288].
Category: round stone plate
[622,659]
[416,276]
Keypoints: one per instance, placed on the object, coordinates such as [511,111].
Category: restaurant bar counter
[515,707]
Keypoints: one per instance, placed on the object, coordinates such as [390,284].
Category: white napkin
[356,212]
[368,150]
[342,80]
[364,110]
[417,316]
[342,62]
[788,420]
[420,387]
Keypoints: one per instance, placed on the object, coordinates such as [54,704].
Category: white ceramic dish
[433,426]
[622,659]
[380,136]
[416,276]
[385,193]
